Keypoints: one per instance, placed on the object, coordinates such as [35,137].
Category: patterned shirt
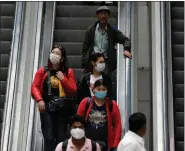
[97,128]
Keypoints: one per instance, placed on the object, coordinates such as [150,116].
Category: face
[99,60]
[103,17]
[56,51]
[77,131]
[100,92]
[56,56]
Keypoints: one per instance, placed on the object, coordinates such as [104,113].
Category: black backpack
[65,143]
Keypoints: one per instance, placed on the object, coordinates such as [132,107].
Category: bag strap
[49,83]
[93,143]
[64,145]
[87,105]
[87,78]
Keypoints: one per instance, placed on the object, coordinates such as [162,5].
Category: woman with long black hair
[53,89]
[96,72]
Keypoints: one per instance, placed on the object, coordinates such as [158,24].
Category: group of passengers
[97,122]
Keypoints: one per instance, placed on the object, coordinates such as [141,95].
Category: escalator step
[5,47]
[71,46]
[178,77]
[7,9]
[74,61]
[177,25]
[81,11]
[77,23]
[177,37]
[69,35]
[178,63]
[2,102]
[4,73]
[179,105]
[6,34]
[178,49]
[6,22]
[4,60]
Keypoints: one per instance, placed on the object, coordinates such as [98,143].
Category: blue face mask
[100,94]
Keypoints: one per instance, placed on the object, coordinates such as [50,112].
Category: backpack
[65,143]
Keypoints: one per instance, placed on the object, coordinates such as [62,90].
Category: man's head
[137,123]
[77,124]
[103,14]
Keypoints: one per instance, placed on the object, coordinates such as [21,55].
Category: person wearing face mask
[78,141]
[102,37]
[103,117]
[97,67]
[53,89]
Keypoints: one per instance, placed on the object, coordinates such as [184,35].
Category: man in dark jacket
[102,38]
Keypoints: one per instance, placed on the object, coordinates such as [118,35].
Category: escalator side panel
[177,33]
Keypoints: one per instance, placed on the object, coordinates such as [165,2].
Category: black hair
[64,64]
[94,57]
[137,121]
[101,82]
[77,118]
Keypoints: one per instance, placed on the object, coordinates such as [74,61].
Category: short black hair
[137,121]
[101,82]
[77,118]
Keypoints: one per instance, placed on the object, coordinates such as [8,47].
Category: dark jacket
[83,89]
[114,36]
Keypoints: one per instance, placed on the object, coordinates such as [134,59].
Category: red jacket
[68,83]
[114,121]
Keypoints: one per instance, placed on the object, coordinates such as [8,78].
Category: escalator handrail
[169,77]
[35,67]
[158,79]
[11,80]
[124,66]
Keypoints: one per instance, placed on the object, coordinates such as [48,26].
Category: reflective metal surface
[124,66]
[11,82]
[158,78]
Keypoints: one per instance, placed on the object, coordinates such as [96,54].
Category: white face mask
[100,67]
[55,59]
[77,133]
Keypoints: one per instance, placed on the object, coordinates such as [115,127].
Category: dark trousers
[54,129]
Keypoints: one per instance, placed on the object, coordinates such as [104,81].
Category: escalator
[71,21]
[177,40]
[7,12]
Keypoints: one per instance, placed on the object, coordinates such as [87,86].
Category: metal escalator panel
[177,33]
[72,19]
[7,12]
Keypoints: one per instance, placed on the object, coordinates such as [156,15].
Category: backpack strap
[93,143]
[64,145]
[87,106]
[87,78]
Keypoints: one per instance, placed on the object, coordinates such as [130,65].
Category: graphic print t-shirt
[92,81]
[97,128]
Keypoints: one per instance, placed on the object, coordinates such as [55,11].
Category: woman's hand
[60,75]
[41,106]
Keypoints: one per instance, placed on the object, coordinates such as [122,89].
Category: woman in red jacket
[103,117]
[53,89]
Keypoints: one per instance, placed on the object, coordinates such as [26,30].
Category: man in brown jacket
[102,38]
